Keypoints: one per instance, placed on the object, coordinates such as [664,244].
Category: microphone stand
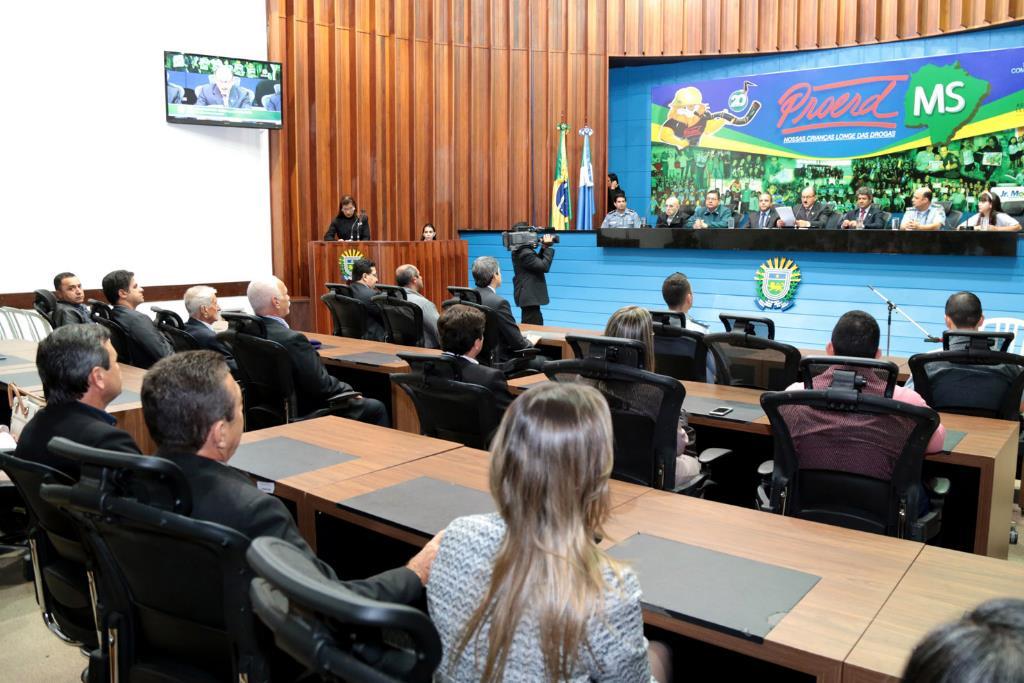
[355,228]
[888,327]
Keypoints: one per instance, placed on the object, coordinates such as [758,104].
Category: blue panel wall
[629,91]
[588,283]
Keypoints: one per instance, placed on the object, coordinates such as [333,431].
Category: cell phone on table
[720,411]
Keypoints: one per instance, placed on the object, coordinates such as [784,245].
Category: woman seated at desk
[525,594]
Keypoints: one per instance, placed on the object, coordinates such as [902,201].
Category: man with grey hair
[810,213]
[487,277]
[81,376]
[203,311]
[408,278]
[223,91]
[314,387]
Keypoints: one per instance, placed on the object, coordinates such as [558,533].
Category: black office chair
[392,291]
[45,304]
[850,457]
[880,376]
[833,221]
[743,360]
[679,352]
[645,416]
[954,340]
[953,219]
[972,381]
[403,320]
[465,294]
[348,315]
[339,288]
[494,354]
[172,327]
[886,217]
[60,565]
[759,327]
[119,337]
[245,323]
[332,632]
[176,588]
[447,407]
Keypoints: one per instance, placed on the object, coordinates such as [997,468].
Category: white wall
[94,178]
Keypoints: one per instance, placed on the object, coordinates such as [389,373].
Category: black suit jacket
[676,221]
[754,218]
[529,287]
[67,314]
[76,421]
[344,228]
[508,332]
[313,385]
[226,496]
[872,219]
[207,339]
[489,378]
[148,344]
[374,317]
[817,215]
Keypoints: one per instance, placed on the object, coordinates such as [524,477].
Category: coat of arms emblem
[347,260]
[776,282]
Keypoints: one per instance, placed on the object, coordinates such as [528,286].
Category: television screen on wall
[222,91]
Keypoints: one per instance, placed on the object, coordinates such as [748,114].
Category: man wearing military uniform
[621,217]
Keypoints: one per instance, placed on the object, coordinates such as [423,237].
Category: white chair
[1007,325]
[26,325]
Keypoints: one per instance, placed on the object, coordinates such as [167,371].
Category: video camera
[522,235]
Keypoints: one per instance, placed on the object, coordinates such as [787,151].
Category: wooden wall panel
[445,110]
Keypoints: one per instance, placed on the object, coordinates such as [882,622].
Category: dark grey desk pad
[23,378]
[741,412]
[953,437]
[369,358]
[125,397]
[422,505]
[280,457]
[727,593]
[13,360]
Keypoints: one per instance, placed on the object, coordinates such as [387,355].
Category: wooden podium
[441,263]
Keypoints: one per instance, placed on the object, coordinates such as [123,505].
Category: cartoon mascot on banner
[690,118]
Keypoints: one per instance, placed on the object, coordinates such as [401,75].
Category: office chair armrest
[528,352]
[694,486]
[937,486]
[343,399]
[766,468]
[926,526]
[709,455]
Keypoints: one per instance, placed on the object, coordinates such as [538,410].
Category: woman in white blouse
[990,216]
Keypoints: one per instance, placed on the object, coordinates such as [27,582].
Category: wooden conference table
[19,367]
[988,446]
[874,598]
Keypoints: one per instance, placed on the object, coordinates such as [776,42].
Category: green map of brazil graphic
[943,99]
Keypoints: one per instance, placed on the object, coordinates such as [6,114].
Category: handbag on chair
[23,408]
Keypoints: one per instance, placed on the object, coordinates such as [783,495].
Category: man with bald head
[408,277]
[672,218]
[313,385]
[810,213]
[223,91]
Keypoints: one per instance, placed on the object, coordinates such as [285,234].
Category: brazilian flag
[561,203]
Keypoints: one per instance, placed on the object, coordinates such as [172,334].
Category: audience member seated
[462,335]
[634,322]
[963,312]
[313,385]
[810,213]
[713,214]
[986,644]
[856,334]
[408,277]
[867,215]
[193,409]
[81,376]
[203,311]
[364,288]
[148,344]
[71,306]
[672,217]
[487,278]
[526,594]
[678,295]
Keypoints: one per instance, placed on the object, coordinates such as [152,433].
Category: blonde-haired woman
[525,594]
[634,322]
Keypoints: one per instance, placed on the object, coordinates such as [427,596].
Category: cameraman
[529,286]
